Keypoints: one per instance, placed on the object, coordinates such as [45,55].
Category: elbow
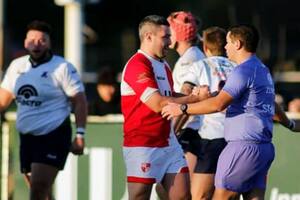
[220,107]
[157,110]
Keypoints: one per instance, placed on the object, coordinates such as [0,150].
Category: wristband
[79,135]
[80,130]
[292,124]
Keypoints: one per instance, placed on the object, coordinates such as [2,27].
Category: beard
[39,56]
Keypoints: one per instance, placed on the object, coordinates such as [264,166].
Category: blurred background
[109,37]
[110,31]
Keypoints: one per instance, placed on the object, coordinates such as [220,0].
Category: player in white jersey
[43,85]
[213,72]
[184,38]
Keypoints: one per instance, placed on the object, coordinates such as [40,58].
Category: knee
[202,195]
[185,196]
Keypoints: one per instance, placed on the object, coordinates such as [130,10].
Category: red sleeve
[170,78]
[139,75]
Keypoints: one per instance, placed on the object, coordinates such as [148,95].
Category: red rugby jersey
[142,76]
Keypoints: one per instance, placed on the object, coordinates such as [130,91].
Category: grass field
[283,180]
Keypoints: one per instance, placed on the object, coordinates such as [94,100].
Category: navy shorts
[208,152]
[187,139]
[51,149]
[243,166]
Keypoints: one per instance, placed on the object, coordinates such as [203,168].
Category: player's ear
[205,49]
[148,36]
[238,44]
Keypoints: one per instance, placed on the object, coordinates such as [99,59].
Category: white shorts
[149,165]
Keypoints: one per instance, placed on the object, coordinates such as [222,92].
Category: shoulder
[20,61]
[17,65]
[139,62]
[242,71]
[222,61]
[139,58]
[60,62]
[193,54]
[62,67]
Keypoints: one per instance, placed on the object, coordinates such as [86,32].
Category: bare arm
[156,101]
[6,98]
[210,105]
[187,88]
[282,118]
[80,111]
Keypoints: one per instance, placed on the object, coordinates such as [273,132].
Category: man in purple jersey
[248,96]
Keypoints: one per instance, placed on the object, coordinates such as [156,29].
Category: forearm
[204,107]
[180,100]
[5,99]
[211,105]
[186,99]
[281,117]
[80,110]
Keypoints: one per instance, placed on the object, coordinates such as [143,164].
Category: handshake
[203,92]
[176,107]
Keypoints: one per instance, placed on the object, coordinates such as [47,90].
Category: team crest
[145,167]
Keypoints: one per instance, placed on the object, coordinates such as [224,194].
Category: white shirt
[210,71]
[41,93]
[183,64]
[180,70]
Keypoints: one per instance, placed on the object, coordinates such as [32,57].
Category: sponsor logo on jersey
[25,94]
[145,167]
[160,78]
[143,78]
[44,75]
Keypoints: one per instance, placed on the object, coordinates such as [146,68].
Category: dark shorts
[51,149]
[243,166]
[208,152]
[187,139]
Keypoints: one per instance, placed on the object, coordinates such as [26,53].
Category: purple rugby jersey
[249,117]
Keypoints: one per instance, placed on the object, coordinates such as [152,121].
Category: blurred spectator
[280,101]
[294,105]
[107,100]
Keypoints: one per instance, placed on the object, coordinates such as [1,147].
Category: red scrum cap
[184,25]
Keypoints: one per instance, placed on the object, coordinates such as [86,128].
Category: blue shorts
[243,166]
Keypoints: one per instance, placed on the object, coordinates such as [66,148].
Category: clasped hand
[172,110]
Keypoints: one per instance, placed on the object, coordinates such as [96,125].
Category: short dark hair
[247,34]
[40,26]
[107,76]
[155,20]
[215,40]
